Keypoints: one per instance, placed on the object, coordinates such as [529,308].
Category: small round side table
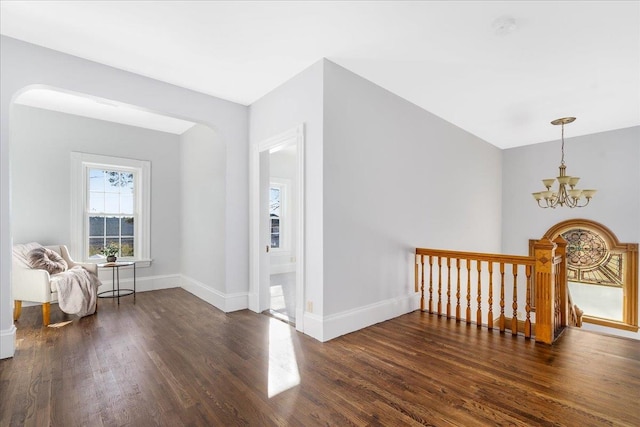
[116,291]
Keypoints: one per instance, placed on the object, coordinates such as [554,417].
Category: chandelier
[563,196]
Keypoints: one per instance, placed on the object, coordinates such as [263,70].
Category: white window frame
[285,213]
[80,165]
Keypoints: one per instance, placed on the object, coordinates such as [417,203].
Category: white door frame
[289,137]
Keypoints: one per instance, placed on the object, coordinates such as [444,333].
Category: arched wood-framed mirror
[602,273]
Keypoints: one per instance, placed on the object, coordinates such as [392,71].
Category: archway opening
[187,187]
[602,273]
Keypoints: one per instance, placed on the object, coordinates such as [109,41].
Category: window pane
[113,226]
[274,201]
[113,180]
[95,247]
[126,203]
[115,241]
[96,226]
[126,182]
[112,202]
[599,301]
[275,232]
[127,247]
[96,202]
[96,180]
[126,226]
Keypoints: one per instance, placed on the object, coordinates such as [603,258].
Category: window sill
[609,323]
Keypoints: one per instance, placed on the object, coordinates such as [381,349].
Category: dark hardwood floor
[174,360]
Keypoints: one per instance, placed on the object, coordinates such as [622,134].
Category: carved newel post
[544,253]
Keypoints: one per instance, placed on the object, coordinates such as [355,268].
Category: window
[110,211]
[280,214]
[110,205]
[275,214]
[595,274]
[602,273]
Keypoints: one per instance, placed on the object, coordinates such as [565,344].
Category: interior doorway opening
[282,232]
[277,238]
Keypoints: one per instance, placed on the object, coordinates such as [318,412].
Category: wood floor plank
[171,359]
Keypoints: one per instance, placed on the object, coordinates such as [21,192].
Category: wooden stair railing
[510,276]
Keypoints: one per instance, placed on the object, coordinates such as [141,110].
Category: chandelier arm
[562,192]
[582,206]
[543,207]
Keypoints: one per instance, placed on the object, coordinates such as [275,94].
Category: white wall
[382,177]
[297,101]
[41,146]
[23,64]
[608,162]
[396,177]
[203,213]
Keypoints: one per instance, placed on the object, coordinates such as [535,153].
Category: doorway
[277,238]
[282,241]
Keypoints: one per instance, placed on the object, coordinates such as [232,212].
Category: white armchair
[35,285]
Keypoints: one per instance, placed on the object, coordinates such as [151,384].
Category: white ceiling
[569,58]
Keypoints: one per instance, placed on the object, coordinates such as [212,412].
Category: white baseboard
[348,321]
[313,326]
[225,302]
[7,342]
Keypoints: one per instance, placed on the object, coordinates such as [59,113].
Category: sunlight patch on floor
[277,298]
[283,366]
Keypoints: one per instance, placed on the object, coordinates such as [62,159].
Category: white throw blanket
[77,291]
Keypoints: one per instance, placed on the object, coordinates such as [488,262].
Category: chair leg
[17,309]
[46,313]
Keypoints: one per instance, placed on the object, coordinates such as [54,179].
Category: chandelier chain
[562,162]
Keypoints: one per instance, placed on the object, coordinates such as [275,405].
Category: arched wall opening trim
[599,270]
